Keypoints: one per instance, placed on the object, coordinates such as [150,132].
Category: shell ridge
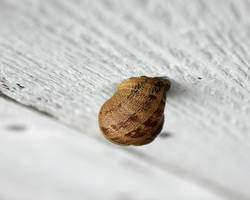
[134,115]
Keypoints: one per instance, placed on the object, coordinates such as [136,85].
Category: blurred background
[61,60]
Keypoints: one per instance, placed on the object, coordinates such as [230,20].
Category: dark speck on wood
[20,86]
[16,127]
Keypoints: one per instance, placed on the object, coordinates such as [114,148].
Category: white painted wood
[66,57]
[42,159]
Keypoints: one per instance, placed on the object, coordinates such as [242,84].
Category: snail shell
[134,115]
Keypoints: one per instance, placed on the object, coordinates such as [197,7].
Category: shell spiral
[134,115]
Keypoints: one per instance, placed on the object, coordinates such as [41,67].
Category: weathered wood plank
[41,159]
[65,58]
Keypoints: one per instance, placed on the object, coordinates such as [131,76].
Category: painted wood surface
[42,159]
[65,58]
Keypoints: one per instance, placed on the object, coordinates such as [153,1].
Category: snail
[134,115]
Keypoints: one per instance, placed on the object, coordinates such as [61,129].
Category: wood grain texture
[41,159]
[66,57]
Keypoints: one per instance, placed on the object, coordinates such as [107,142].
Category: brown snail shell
[134,115]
